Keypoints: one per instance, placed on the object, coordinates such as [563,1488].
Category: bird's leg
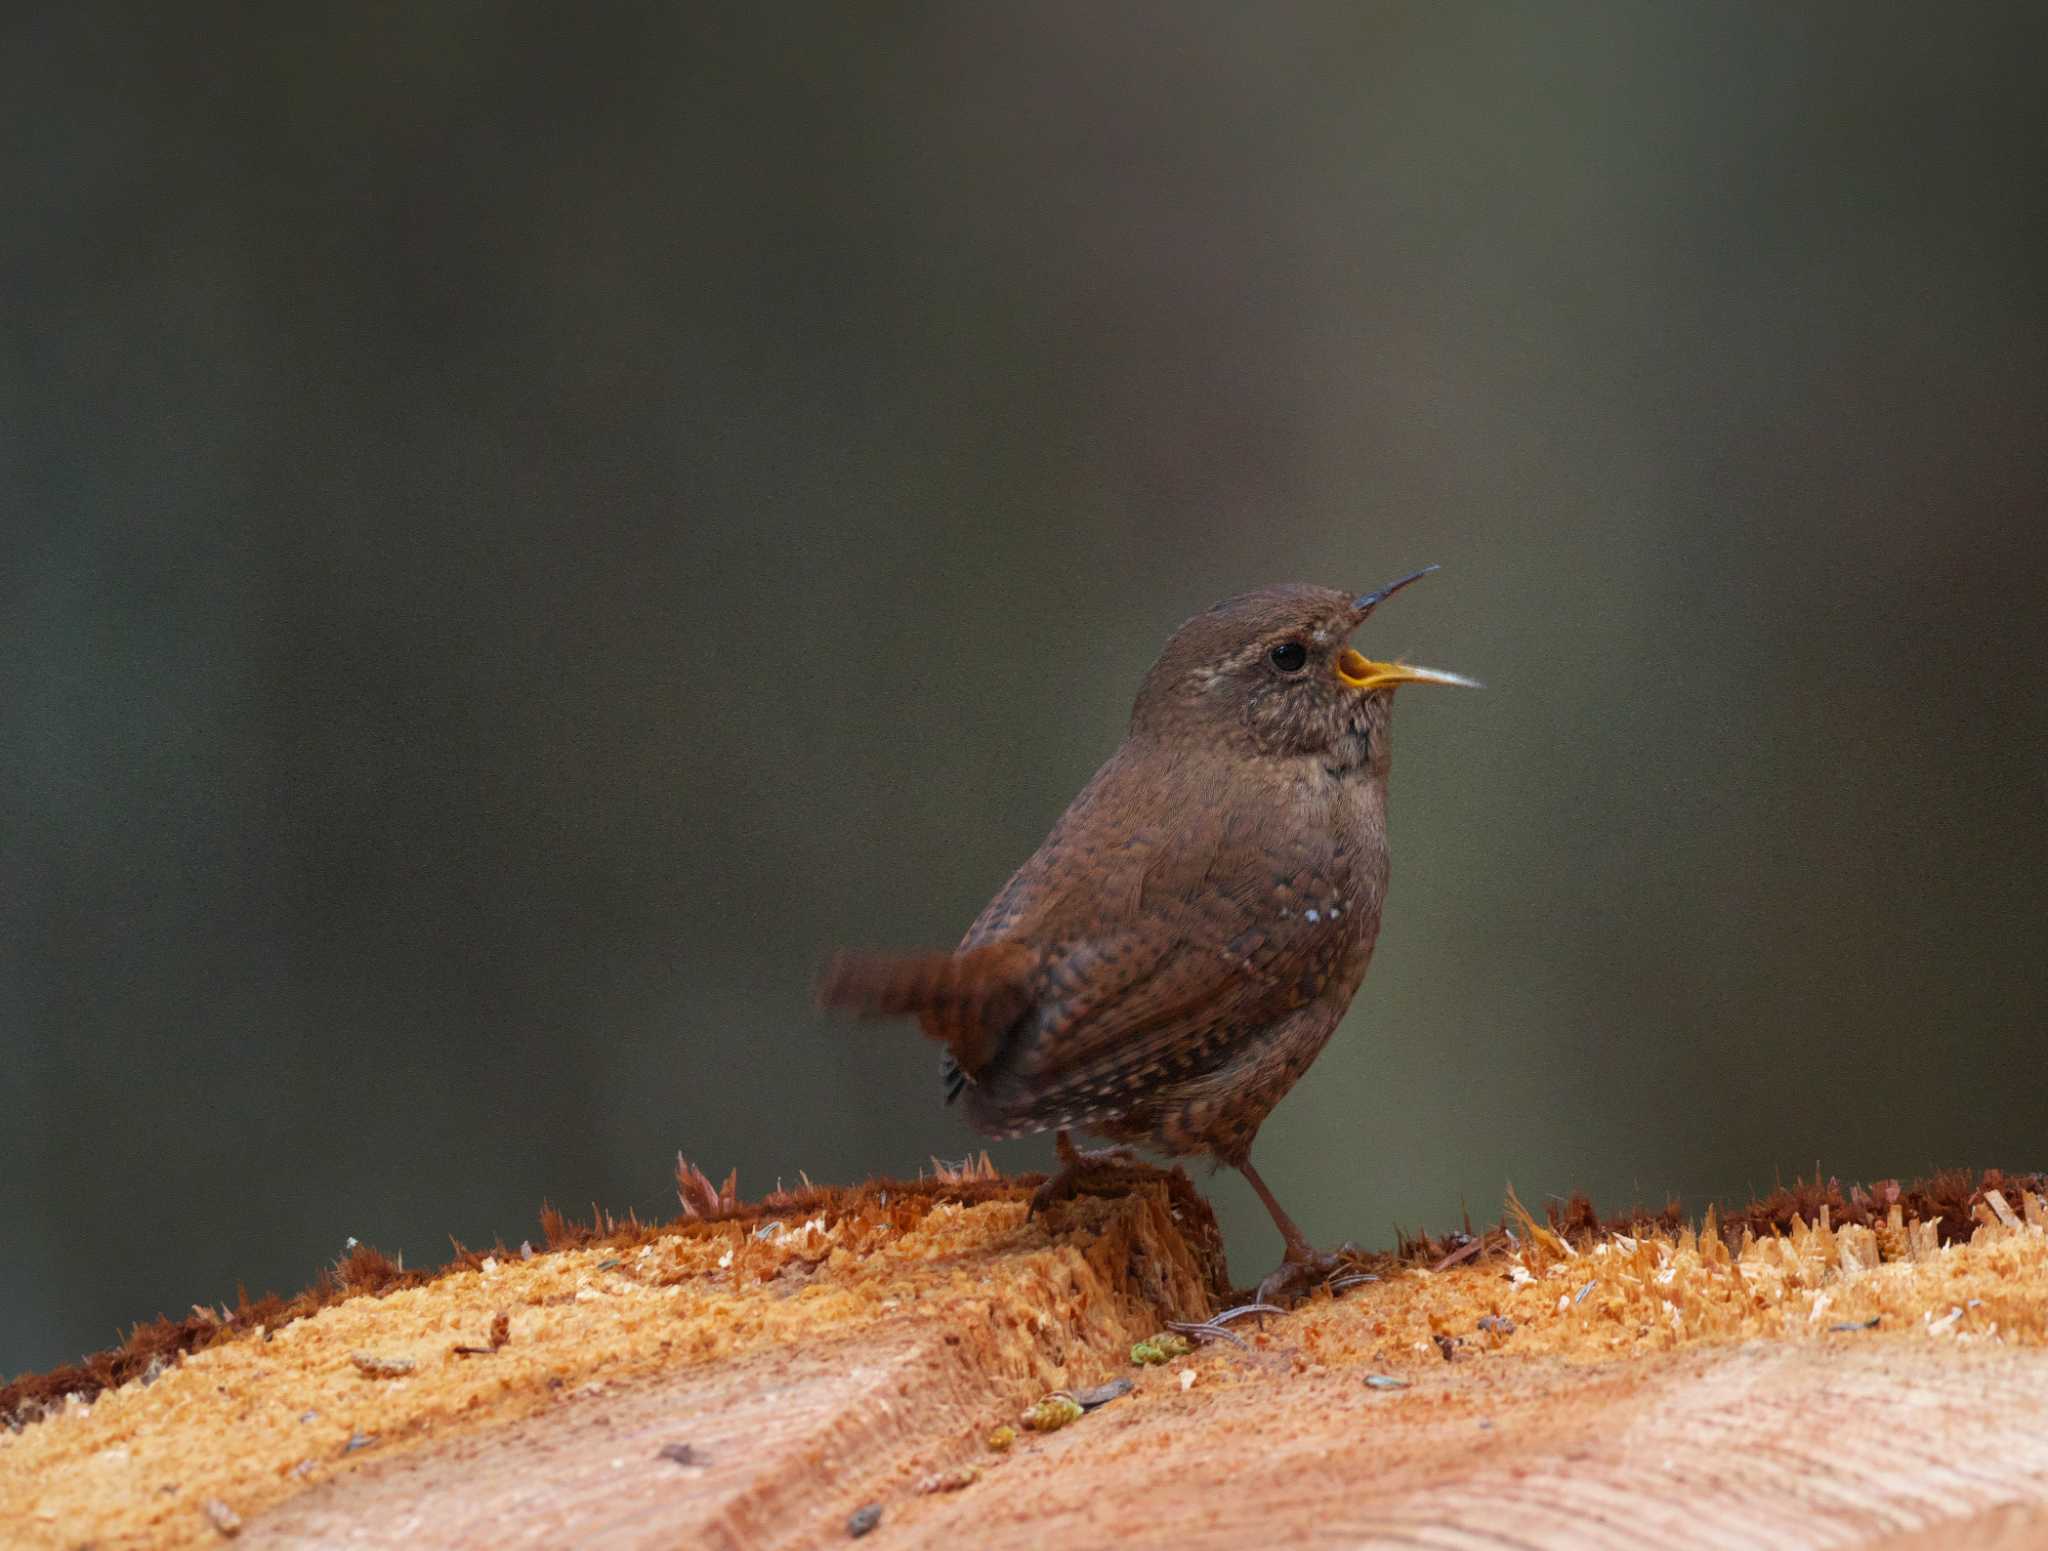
[1303,1268]
[1077,1164]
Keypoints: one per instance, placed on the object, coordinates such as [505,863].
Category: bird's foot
[1301,1273]
[1079,1167]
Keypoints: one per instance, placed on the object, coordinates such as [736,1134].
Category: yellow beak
[1361,673]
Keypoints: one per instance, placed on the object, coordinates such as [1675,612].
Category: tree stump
[837,1362]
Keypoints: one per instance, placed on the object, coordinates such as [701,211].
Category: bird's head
[1275,668]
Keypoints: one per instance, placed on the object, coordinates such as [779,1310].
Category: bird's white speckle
[1310,915]
[1336,911]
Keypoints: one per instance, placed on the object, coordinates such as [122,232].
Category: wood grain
[1735,1446]
[751,1384]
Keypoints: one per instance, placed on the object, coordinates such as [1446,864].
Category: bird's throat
[1354,756]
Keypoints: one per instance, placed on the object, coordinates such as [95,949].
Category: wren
[1180,949]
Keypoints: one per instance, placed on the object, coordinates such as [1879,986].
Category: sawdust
[1612,1389]
[266,1413]
[1621,1293]
[156,1344]
[250,1421]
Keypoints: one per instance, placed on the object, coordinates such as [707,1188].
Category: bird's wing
[1196,942]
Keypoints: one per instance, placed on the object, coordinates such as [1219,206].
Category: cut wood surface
[760,1381]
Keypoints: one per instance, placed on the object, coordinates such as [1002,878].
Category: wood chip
[1923,1241]
[222,1517]
[371,1366]
[950,1480]
[1856,1249]
[1461,1254]
[501,1332]
[1995,1199]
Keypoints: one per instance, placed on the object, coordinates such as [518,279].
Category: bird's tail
[965,1000]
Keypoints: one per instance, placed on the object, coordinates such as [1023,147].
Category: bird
[1168,963]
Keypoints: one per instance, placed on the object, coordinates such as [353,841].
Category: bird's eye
[1289,656]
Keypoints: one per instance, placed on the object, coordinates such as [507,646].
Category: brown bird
[1183,944]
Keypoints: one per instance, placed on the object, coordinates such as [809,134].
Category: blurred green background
[524,530]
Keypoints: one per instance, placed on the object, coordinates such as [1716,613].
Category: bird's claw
[1299,1275]
[1077,1167]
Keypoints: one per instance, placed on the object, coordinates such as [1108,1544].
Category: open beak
[1359,672]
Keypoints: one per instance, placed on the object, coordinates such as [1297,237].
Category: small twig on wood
[1461,1254]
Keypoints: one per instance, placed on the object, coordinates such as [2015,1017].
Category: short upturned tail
[967,1001]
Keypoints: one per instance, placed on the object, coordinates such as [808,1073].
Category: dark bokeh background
[519,536]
